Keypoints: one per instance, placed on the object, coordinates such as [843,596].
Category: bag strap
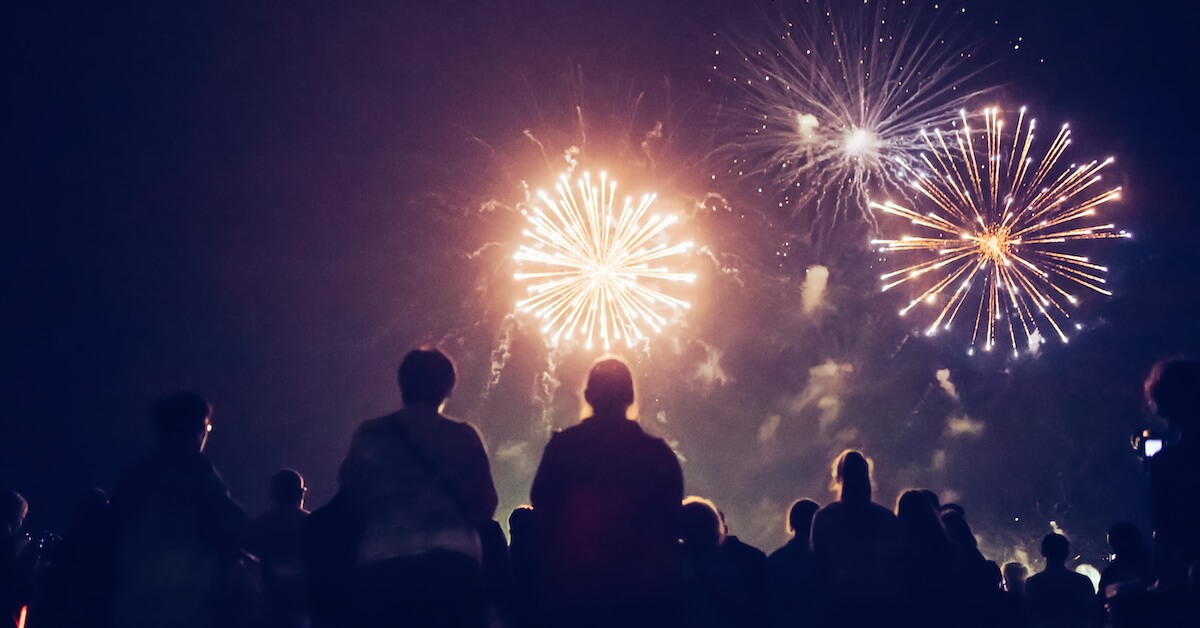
[431,468]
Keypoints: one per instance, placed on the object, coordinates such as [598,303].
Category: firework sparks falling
[999,225]
[832,107]
[594,278]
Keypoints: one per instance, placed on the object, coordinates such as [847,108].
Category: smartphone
[1153,446]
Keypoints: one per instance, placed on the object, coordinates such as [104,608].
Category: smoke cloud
[943,379]
[812,292]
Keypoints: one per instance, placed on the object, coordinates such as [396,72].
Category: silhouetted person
[78,586]
[276,538]
[178,560]
[792,570]
[719,593]
[754,568]
[1124,582]
[423,487]
[522,563]
[855,543]
[607,497]
[1173,393]
[13,583]
[977,590]
[1013,607]
[927,561]
[1059,597]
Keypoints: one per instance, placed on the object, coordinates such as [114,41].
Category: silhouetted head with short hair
[287,489]
[181,421]
[609,390]
[1126,540]
[520,521]
[701,527]
[1014,577]
[426,377]
[1173,390]
[917,516]
[15,511]
[933,499]
[1055,549]
[958,531]
[852,476]
[800,518]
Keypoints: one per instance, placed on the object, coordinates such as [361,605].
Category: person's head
[915,513]
[609,389]
[181,421]
[426,377]
[520,522]
[1014,577]
[800,517]
[958,531]
[1126,540]
[1055,549]
[15,511]
[701,527]
[933,499]
[287,489]
[852,476]
[1173,390]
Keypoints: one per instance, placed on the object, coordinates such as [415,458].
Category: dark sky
[270,202]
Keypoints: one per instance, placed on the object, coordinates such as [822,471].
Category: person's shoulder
[377,425]
[1036,580]
[1081,580]
[460,428]
[882,513]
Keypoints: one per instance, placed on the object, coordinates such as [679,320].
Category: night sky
[271,202]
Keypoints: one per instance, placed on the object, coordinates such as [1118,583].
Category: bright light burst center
[596,266]
[860,142]
[993,216]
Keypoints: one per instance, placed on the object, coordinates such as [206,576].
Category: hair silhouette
[426,377]
[852,476]
[609,390]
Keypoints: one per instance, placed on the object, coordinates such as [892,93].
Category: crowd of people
[610,538]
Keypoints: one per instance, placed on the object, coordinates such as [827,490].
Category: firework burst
[594,279]
[998,227]
[831,108]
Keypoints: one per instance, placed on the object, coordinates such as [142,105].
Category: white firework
[831,108]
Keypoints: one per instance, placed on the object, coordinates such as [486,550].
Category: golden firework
[591,275]
[995,218]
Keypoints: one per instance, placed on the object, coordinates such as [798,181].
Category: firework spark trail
[593,261]
[995,217]
[832,109]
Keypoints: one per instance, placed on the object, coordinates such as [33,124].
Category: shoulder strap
[431,467]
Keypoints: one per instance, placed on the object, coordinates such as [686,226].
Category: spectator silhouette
[927,561]
[792,571]
[718,591]
[606,498]
[276,538]
[977,590]
[522,562]
[178,533]
[855,543]
[77,588]
[1124,582]
[1173,393]
[1059,597]
[421,483]
[14,584]
[1013,612]
[753,568]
